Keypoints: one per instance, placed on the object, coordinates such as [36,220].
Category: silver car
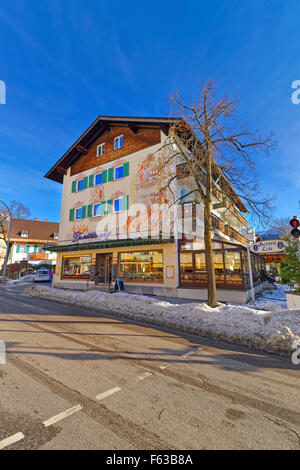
[42,275]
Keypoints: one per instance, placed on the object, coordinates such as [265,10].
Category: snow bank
[262,325]
[27,277]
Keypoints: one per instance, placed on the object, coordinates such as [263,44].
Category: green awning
[128,242]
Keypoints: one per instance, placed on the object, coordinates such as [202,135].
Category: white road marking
[108,393]
[143,376]
[62,415]
[188,354]
[11,440]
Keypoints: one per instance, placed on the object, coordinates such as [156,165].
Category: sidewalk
[262,325]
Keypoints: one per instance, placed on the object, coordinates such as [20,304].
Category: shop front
[231,270]
[144,268]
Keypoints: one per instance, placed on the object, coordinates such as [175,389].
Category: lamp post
[8,238]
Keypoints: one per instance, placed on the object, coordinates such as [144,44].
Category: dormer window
[100,149]
[118,142]
[24,233]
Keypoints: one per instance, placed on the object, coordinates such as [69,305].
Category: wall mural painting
[80,228]
[149,182]
[117,195]
[97,195]
[78,204]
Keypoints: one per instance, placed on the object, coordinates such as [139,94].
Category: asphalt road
[75,379]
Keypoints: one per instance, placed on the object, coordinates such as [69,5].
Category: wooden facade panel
[132,142]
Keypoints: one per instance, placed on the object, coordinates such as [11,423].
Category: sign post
[250,272]
[249,233]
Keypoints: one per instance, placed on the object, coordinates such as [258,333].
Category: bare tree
[216,154]
[18,210]
[282,228]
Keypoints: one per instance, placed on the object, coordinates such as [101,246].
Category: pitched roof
[95,130]
[100,125]
[38,230]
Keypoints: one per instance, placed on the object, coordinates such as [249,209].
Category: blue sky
[67,61]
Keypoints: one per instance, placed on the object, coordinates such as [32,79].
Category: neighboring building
[112,167]
[274,250]
[27,241]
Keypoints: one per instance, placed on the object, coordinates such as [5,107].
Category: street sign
[268,246]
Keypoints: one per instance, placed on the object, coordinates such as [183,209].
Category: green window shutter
[110,174]
[125,203]
[18,249]
[109,206]
[71,214]
[126,169]
[27,249]
[103,207]
[83,212]
[74,186]
[91,181]
[85,182]
[90,210]
[35,248]
[104,176]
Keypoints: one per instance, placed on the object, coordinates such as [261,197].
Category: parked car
[42,275]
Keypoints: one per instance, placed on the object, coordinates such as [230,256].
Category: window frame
[77,185]
[93,210]
[118,137]
[117,199]
[79,209]
[102,145]
[115,171]
[95,176]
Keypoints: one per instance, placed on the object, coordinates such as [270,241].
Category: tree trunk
[210,268]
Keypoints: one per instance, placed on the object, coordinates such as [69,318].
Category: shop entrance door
[103,268]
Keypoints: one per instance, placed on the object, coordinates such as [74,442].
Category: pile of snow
[26,278]
[262,325]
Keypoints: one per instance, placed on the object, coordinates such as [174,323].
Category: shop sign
[83,236]
[268,246]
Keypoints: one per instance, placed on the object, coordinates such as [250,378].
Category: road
[76,379]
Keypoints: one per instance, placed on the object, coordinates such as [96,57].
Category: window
[98,179]
[118,142]
[23,249]
[80,186]
[100,149]
[119,172]
[76,267]
[118,205]
[97,210]
[24,233]
[142,266]
[79,213]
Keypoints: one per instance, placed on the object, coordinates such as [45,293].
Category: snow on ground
[262,325]
[26,278]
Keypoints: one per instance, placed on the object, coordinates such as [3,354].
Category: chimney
[46,220]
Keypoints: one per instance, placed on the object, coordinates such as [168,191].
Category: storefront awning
[108,244]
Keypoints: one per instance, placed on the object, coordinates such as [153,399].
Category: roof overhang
[128,242]
[102,123]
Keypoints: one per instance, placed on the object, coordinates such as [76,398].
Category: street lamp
[8,238]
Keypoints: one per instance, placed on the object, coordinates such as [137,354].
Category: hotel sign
[268,246]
